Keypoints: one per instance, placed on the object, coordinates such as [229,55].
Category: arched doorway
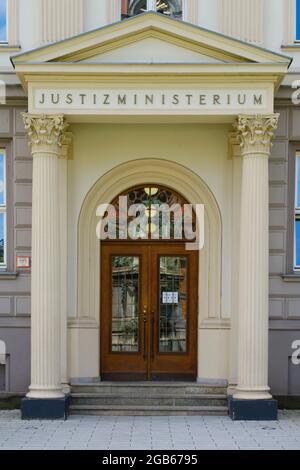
[149,288]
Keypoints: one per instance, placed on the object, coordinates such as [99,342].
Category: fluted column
[45,134]
[255,134]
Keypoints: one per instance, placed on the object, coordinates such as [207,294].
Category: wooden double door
[148,324]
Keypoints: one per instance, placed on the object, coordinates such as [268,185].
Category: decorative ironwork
[160,225]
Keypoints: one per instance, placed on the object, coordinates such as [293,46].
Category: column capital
[45,132]
[255,132]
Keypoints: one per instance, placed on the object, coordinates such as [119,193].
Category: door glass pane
[125,304]
[173,304]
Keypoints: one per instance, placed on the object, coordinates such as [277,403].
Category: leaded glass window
[170,8]
[163,215]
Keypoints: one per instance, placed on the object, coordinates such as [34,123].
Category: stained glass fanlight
[154,199]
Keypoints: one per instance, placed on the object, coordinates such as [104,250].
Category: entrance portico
[194,77]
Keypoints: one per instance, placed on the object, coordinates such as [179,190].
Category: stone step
[154,400]
[134,410]
[148,388]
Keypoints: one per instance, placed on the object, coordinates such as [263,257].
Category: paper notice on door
[170,297]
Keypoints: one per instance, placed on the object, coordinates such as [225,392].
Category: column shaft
[45,133]
[255,133]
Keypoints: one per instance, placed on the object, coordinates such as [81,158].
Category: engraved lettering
[122,99]
[257,99]
[189,99]
[240,100]
[82,96]
[106,99]
[149,99]
[69,98]
[42,101]
[55,100]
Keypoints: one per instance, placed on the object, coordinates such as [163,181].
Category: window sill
[291,277]
[9,48]
[291,47]
[7,276]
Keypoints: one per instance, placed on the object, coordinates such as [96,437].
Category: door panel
[174,299]
[125,335]
[124,280]
[149,299]
[172,305]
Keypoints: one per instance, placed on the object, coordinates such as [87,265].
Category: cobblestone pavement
[147,433]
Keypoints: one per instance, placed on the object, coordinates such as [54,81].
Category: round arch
[134,173]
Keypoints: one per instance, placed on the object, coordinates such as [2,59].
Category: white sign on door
[170,297]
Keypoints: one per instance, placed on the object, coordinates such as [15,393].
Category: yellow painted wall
[203,148]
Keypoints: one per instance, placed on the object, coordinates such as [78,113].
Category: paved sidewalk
[147,433]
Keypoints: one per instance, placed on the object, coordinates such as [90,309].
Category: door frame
[172,248]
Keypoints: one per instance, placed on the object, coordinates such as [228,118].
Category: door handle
[152,334]
[145,331]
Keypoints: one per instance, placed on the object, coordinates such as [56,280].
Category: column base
[253,410]
[45,408]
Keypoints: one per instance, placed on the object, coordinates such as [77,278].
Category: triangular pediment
[150,50]
[150,38]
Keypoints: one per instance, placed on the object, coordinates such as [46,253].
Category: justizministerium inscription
[112,99]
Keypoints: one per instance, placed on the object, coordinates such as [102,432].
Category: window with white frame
[3,21]
[170,8]
[297,20]
[2,208]
[297,215]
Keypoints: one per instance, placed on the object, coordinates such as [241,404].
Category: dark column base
[35,408]
[253,410]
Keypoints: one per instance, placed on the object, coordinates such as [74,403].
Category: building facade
[191,102]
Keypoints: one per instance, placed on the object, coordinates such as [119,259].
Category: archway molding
[113,183]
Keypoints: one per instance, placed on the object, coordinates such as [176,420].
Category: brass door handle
[145,331]
[152,335]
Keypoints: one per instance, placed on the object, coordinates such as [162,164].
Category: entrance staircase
[148,399]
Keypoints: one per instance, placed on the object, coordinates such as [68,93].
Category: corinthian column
[45,134]
[255,134]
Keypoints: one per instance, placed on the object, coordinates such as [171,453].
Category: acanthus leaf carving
[255,132]
[45,130]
